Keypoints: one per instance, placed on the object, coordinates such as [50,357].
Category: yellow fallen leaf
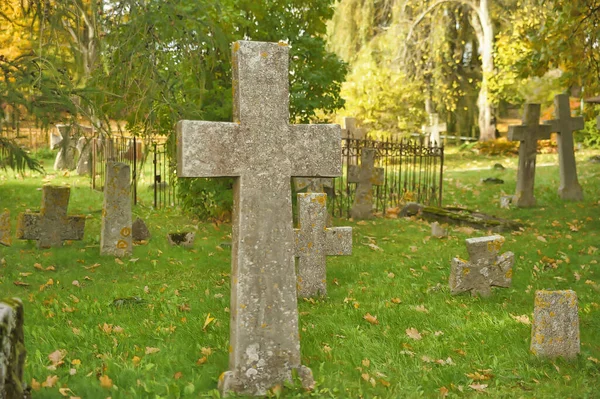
[444,392]
[66,391]
[36,386]
[413,333]
[76,283]
[178,375]
[202,360]
[396,300]
[207,321]
[206,351]
[25,274]
[371,319]
[136,360]
[106,382]
[421,308]
[50,381]
[366,362]
[542,239]
[522,319]
[76,362]
[150,350]
[119,261]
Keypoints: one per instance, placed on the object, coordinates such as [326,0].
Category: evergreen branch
[16,158]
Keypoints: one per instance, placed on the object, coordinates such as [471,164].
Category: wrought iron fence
[413,171]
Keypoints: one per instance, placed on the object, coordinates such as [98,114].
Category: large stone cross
[51,226]
[434,129]
[484,268]
[314,242]
[528,133]
[366,176]
[262,151]
[565,125]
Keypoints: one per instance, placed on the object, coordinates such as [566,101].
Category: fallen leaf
[366,362]
[50,381]
[178,375]
[522,319]
[76,283]
[20,283]
[150,350]
[106,382]
[36,386]
[396,300]
[374,247]
[119,261]
[25,274]
[413,333]
[371,319]
[542,239]
[444,392]
[421,308]
[478,387]
[57,357]
[207,321]
[66,391]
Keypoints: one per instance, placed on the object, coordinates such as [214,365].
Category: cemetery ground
[156,324]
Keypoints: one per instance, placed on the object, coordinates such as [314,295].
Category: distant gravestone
[434,129]
[12,349]
[115,236]
[528,134]
[352,131]
[365,176]
[314,242]
[438,231]
[262,151]
[565,125]
[51,226]
[484,269]
[139,230]
[555,327]
[84,163]
[66,144]
[5,236]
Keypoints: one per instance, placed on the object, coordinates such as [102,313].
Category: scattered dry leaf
[413,333]
[371,319]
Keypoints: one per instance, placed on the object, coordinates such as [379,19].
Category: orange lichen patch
[309,245]
[125,232]
[236,47]
[466,271]
[282,44]
[509,274]
[122,244]
[264,54]
[539,338]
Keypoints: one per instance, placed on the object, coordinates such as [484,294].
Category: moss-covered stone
[12,349]
[466,217]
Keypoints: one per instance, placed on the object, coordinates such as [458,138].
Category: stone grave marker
[115,236]
[5,237]
[314,242]
[365,176]
[51,226]
[528,133]
[139,230]
[565,125]
[352,131]
[434,129]
[262,151]
[12,349]
[484,269]
[84,163]
[555,327]
[67,148]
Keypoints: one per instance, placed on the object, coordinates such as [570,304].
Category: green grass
[349,356]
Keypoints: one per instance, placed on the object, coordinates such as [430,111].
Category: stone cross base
[12,349]
[555,327]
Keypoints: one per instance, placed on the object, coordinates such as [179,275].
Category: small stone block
[484,269]
[12,349]
[438,231]
[185,240]
[139,230]
[555,327]
[5,237]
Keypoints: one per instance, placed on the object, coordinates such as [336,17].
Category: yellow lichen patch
[122,244]
[264,54]
[236,47]
[509,274]
[309,245]
[539,338]
[466,271]
[125,232]
[282,44]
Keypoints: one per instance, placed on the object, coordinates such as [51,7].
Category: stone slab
[5,231]
[314,242]
[262,151]
[365,176]
[555,326]
[12,349]
[115,234]
[484,269]
[51,226]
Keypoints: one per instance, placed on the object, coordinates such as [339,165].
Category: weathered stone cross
[314,242]
[434,129]
[263,151]
[366,175]
[484,269]
[565,125]
[51,226]
[528,134]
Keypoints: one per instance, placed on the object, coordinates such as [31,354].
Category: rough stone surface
[182,239]
[352,131]
[314,242]
[5,232]
[139,230]
[528,133]
[115,236]
[262,151]
[434,129]
[312,185]
[555,327]
[565,125]
[506,201]
[411,209]
[84,163]
[366,175]
[484,269]
[12,349]
[51,226]
[438,231]
[66,144]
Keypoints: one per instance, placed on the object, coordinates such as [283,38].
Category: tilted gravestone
[84,163]
[565,125]
[484,269]
[314,242]
[66,144]
[555,327]
[262,151]
[365,176]
[12,349]
[528,134]
[5,238]
[434,129]
[115,236]
[51,226]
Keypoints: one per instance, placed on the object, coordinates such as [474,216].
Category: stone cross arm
[338,241]
[377,178]
[519,132]
[29,227]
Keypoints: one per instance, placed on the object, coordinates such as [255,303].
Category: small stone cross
[565,125]
[51,226]
[366,175]
[314,242]
[262,151]
[528,133]
[484,268]
[434,129]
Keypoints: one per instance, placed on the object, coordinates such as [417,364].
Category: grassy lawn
[424,342]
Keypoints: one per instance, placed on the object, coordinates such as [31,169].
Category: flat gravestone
[5,238]
[12,349]
[434,129]
[484,269]
[565,125]
[51,226]
[115,236]
[314,242]
[262,151]
[365,176]
[528,133]
[555,327]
